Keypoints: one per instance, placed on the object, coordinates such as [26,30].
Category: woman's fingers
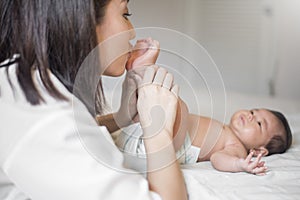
[160,76]
[148,76]
[175,90]
[168,81]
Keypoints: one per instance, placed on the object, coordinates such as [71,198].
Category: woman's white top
[56,151]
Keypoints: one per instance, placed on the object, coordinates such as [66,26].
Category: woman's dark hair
[279,144]
[49,35]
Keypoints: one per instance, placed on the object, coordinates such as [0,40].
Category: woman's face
[113,35]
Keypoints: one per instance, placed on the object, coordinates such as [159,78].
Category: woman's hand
[157,102]
[157,107]
[128,109]
[144,53]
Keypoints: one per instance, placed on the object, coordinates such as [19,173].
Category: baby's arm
[228,160]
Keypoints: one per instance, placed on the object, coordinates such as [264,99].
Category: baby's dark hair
[279,144]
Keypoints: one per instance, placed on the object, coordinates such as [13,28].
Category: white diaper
[130,142]
[188,154]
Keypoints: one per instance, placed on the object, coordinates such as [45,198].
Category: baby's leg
[181,124]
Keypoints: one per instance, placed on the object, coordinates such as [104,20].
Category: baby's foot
[145,52]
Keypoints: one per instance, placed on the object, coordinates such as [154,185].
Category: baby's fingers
[249,157]
[256,161]
[261,164]
[259,170]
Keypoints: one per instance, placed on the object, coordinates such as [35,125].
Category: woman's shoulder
[12,91]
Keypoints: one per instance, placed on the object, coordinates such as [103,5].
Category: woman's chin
[114,73]
[117,68]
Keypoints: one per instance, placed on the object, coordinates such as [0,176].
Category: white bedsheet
[282,180]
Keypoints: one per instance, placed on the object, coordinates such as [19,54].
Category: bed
[282,180]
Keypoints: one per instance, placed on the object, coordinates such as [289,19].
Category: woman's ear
[260,150]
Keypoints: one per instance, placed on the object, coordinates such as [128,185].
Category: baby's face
[255,127]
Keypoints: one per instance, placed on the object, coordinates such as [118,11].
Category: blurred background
[254,43]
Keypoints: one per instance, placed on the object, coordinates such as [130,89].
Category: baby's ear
[260,150]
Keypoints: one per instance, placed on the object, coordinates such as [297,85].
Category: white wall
[158,13]
[287,76]
[229,30]
[255,43]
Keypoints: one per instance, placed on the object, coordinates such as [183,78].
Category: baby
[257,132]
[229,147]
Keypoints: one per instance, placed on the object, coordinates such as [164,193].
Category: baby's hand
[145,52]
[256,167]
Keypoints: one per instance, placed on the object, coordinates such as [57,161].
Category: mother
[42,45]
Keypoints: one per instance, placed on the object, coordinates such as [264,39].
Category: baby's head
[279,144]
[264,131]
